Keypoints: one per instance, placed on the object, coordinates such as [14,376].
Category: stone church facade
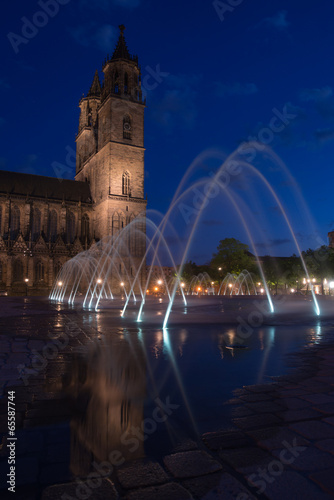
[45,221]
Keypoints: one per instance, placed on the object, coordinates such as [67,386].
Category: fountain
[109,268]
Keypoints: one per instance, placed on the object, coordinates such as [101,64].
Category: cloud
[212,222]
[278,21]
[274,242]
[177,107]
[324,135]
[316,95]
[91,34]
[107,4]
[230,89]
[4,84]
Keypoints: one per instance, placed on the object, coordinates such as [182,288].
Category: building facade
[45,221]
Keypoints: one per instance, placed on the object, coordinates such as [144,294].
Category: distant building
[45,221]
[331,239]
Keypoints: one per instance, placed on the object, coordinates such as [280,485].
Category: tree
[320,263]
[232,257]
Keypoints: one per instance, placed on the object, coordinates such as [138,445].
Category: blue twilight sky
[225,75]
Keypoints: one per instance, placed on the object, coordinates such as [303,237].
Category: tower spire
[95,88]
[121,51]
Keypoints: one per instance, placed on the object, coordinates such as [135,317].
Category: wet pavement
[280,441]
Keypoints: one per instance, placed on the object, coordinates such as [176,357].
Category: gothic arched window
[14,222]
[127,128]
[70,227]
[18,271]
[115,223]
[57,268]
[36,223]
[126,83]
[116,83]
[39,271]
[126,183]
[52,226]
[85,227]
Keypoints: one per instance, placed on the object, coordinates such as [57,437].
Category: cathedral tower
[110,143]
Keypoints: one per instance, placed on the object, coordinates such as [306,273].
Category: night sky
[223,77]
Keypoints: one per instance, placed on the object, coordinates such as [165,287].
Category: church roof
[95,88]
[39,186]
[121,51]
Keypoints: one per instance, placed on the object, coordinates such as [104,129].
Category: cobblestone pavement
[280,444]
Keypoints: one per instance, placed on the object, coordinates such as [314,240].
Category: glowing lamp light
[304,281]
[259,284]
[26,280]
[308,281]
[206,291]
[262,290]
[99,281]
[122,284]
[230,285]
[313,280]
[159,282]
[292,290]
[156,288]
[60,283]
[183,285]
[219,268]
[212,282]
[331,284]
[199,289]
[147,291]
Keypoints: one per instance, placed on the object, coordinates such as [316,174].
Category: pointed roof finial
[95,88]
[121,50]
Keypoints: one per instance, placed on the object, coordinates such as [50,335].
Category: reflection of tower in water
[107,383]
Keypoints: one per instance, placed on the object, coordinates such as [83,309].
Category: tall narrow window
[52,226]
[126,183]
[127,129]
[85,227]
[39,271]
[116,84]
[126,83]
[36,223]
[18,271]
[70,227]
[115,223]
[57,268]
[14,222]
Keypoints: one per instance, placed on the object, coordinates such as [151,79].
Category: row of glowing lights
[199,289]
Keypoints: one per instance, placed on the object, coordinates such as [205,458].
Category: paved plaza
[280,443]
